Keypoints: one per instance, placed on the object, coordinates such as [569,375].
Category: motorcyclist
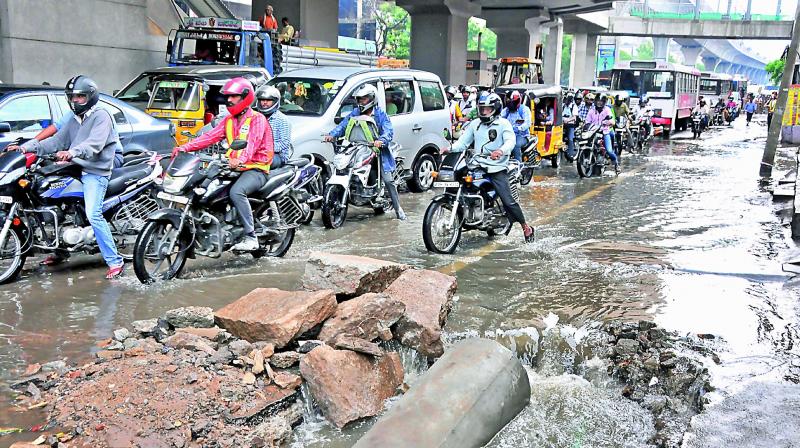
[366,100]
[578,99]
[493,156]
[91,142]
[268,103]
[702,109]
[466,104]
[570,119]
[455,111]
[600,115]
[588,104]
[621,109]
[242,123]
[644,108]
[733,108]
[519,115]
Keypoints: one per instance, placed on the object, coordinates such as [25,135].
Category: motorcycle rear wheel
[149,252]
[276,249]
[437,236]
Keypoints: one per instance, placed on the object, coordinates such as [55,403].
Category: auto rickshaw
[183,101]
[546,116]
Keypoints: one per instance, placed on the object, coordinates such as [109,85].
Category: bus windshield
[206,47]
[656,84]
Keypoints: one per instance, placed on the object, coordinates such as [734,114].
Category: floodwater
[685,237]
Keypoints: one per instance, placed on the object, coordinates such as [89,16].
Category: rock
[348,385]
[284,360]
[626,348]
[33,369]
[345,342]
[645,325]
[190,342]
[269,400]
[267,349]
[249,378]
[130,344]
[108,354]
[215,334]
[651,364]
[258,362]
[428,297]
[191,316]
[25,445]
[121,334]
[55,366]
[349,275]
[240,347]
[115,345]
[221,356]
[286,380]
[277,429]
[145,327]
[306,346]
[276,316]
[362,317]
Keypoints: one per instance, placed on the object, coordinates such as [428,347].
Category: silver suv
[315,100]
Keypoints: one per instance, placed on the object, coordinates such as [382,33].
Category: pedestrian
[750,109]
[287,33]
[268,21]
[773,103]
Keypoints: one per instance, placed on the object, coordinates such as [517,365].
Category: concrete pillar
[722,67]
[551,68]
[710,62]
[439,36]
[690,55]
[517,30]
[582,63]
[317,20]
[660,48]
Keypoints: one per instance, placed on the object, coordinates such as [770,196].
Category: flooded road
[684,237]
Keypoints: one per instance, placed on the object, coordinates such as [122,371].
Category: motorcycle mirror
[238,145]
[4,127]
[492,135]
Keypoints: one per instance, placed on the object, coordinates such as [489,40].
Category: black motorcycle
[592,157]
[200,220]
[531,159]
[469,202]
[621,131]
[698,124]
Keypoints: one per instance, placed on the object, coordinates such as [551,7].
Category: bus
[715,86]
[739,88]
[672,90]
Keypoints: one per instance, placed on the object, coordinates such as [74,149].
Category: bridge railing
[667,9]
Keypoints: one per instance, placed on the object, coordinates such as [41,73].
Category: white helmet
[268,93]
[366,91]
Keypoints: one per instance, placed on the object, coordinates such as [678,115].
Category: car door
[400,104]
[434,116]
[27,114]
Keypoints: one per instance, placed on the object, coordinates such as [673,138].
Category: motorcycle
[43,208]
[531,159]
[592,157]
[733,113]
[200,220]
[719,117]
[469,202]
[698,124]
[357,178]
[621,131]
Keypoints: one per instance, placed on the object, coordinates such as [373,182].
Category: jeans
[248,183]
[501,186]
[749,117]
[769,119]
[610,148]
[94,191]
[570,142]
[117,160]
[388,181]
[277,161]
[516,153]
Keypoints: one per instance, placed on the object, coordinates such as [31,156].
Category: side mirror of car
[4,127]
[238,145]
[115,92]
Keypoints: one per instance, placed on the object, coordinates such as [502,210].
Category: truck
[519,70]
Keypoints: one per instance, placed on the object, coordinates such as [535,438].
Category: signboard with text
[605,57]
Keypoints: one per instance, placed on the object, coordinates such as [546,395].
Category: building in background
[357,19]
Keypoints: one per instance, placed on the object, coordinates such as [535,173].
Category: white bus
[672,89]
[715,86]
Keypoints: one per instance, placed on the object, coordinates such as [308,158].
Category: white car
[316,100]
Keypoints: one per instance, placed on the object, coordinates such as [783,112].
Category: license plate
[445,185]
[6,199]
[173,198]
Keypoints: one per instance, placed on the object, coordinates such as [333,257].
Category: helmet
[609,100]
[619,99]
[600,103]
[578,97]
[644,100]
[590,96]
[242,87]
[487,100]
[82,85]
[268,93]
[702,103]
[366,91]
[451,92]
[514,100]
[569,98]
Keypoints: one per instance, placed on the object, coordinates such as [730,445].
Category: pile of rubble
[232,377]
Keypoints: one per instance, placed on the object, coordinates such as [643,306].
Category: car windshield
[176,95]
[306,96]
[138,91]
[637,82]
[206,47]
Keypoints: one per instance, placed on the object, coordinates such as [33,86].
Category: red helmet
[514,100]
[239,86]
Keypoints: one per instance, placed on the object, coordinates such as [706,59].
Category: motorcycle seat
[121,177]
[300,163]
[275,179]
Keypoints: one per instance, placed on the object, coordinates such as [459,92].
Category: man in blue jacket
[367,104]
[519,115]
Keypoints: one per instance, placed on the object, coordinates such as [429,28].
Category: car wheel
[422,174]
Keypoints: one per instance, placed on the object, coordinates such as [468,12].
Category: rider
[583,109]
[269,103]
[644,108]
[466,104]
[366,99]
[90,141]
[242,123]
[492,154]
[621,109]
[455,111]
[570,115]
[600,115]
[520,117]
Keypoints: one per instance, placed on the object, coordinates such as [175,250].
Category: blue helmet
[489,106]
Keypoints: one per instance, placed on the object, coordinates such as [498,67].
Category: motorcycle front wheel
[526,176]
[153,259]
[585,162]
[12,259]
[334,207]
[437,233]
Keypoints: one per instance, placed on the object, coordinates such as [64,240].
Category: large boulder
[191,316]
[348,385]
[364,317]
[428,297]
[349,275]
[276,316]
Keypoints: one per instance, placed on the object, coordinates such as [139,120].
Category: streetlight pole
[768,160]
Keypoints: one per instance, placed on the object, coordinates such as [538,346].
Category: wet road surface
[684,237]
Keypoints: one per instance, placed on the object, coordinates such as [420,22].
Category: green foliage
[488,38]
[624,55]
[700,66]
[775,70]
[566,58]
[645,51]
[394,31]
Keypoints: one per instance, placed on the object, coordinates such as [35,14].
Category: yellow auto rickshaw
[182,101]
[546,116]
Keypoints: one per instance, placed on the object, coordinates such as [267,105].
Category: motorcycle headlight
[341,161]
[446,176]
[174,184]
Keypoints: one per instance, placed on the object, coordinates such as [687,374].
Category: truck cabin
[518,71]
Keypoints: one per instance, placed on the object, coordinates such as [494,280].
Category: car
[28,109]
[317,99]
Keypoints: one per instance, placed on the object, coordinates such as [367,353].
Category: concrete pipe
[468,395]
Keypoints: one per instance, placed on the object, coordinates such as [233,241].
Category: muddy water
[684,237]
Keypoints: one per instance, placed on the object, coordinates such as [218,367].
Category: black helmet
[366,91]
[579,98]
[268,93]
[569,98]
[600,102]
[618,99]
[487,100]
[82,85]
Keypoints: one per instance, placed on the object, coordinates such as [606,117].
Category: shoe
[115,272]
[529,234]
[53,260]
[617,169]
[248,244]
[401,215]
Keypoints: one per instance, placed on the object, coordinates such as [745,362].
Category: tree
[393,26]
[645,51]
[700,66]
[775,70]
[488,37]
[566,59]
[624,55]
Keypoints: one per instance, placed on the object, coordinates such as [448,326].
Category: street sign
[605,57]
